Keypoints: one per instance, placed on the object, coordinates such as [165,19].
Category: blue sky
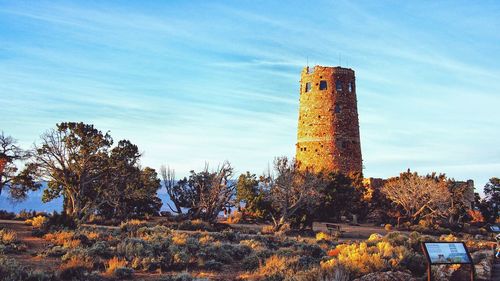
[196,81]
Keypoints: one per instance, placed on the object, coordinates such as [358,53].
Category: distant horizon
[195,82]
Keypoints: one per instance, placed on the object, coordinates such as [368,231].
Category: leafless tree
[290,190]
[205,194]
[216,193]
[168,176]
[420,197]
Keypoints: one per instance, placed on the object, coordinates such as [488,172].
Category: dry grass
[113,264]
[268,229]
[321,236]
[235,217]
[75,262]
[8,236]
[274,265]
[71,244]
[179,238]
[92,235]
[476,216]
[37,222]
[60,237]
[206,240]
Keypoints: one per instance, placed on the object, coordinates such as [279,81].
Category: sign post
[447,253]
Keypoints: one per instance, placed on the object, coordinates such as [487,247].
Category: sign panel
[447,253]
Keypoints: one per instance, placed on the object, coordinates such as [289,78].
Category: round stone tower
[328,132]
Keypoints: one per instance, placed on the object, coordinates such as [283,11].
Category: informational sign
[447,253]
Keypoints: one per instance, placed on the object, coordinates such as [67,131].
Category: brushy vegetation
[96,254]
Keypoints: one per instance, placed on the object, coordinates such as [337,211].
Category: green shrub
[11,270]
[101,249]
[195,225]
[124,273]
[56,251]
[131,227]
[415,263]
[213,265]
[4,215]
[250,263]
[133,247]
[157,232]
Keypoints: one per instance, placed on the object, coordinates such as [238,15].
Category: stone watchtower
[328,132]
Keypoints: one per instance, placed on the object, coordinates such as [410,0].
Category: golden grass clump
[448,238]
[361,259]
[374,237]
[75,262]
[92,235]
[113,264]
[254,244]
[235,217]
[268,229]
[206,240]
[321,236]
[60,237]
[71,244]
[356,259]
[8,236]
[37,222]
[179,238]
[274,265]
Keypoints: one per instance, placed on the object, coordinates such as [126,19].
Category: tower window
[350,87]
[308,87]
[337,108]
[322,85]
[338,85]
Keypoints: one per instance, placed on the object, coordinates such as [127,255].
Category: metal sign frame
[430,263]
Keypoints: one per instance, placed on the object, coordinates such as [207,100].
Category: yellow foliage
[92,235]
[36,222]
[323,236]
[113,264]
[273,265]
[206,240]
[362,259]
[179,238]
[235,217]
[374,237]
[134,222]
[77,262]
[72,243]
[268,229]
[425,223]
[7,236]
[448,238]
[254,244]
[476,216]
[60,237]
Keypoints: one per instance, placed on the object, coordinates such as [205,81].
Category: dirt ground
[34,245]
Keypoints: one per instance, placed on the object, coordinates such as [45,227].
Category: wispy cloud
[191,82]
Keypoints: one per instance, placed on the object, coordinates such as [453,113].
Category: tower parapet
[328,131]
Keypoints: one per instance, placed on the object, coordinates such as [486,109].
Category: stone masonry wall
[328,131]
